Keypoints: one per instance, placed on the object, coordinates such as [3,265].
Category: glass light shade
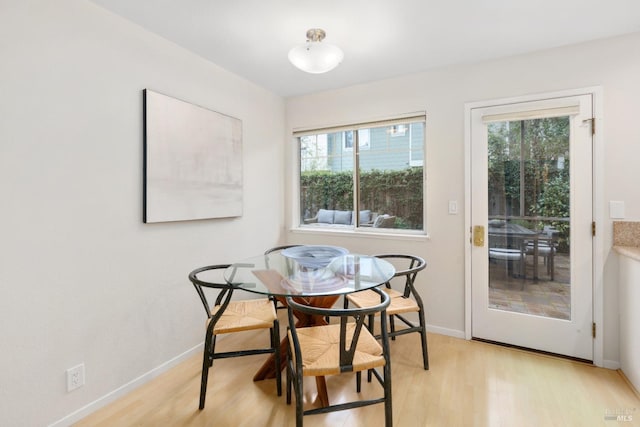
[316,57]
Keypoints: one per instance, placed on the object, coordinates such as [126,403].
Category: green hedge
[396,193]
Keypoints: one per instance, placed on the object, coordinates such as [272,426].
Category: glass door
[531,277]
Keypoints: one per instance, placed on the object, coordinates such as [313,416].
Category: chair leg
[371,327]
[203,382]
[207,362]
[371,324]
[288,384]
[358,381]
[212,351]
[299,402]
[423,336]
[275,343]
[392,325]
[388,409]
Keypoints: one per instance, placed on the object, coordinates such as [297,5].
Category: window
[314,152]
[364,140]
[375,169]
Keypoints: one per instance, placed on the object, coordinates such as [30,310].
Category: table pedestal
[268,368]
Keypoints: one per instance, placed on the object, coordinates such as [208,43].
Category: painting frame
[192,161]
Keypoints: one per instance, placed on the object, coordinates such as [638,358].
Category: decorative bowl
[314,256]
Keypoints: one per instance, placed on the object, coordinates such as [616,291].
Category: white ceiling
[380,38]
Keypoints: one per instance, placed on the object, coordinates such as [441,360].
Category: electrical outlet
[75,377]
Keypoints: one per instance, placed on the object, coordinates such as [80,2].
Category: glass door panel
[529,216]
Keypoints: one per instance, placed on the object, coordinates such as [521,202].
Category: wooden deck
[525,295]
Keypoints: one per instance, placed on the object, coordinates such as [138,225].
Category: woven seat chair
[229,316]
[407,301]
[337,348]
[280,305]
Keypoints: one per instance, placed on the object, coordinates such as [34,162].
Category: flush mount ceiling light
[314,56]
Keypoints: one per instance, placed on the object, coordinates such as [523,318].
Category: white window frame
[295,205]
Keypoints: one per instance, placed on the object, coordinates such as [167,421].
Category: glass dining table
[309,282]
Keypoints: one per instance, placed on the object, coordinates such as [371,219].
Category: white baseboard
[431,328]
[125,389]
[445,331]
[611,364]
[143,379]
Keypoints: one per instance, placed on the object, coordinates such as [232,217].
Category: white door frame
[598,206]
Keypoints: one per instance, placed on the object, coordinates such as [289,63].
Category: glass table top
[280,275]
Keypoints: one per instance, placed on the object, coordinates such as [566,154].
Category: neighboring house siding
[385,152]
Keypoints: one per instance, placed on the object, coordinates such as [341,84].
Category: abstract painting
[192,161]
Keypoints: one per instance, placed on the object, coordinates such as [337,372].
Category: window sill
[366,232]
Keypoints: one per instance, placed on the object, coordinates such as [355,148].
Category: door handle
[478,235]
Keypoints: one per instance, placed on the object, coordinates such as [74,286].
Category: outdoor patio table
[517,236]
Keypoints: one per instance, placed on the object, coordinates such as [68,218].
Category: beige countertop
[626,238]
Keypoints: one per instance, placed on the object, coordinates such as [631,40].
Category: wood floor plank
[469,384]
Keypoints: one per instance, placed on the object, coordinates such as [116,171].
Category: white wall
[82,279]
[614,64]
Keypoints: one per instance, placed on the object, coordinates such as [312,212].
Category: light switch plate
[453,207]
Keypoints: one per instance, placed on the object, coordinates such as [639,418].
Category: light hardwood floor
[469,384]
